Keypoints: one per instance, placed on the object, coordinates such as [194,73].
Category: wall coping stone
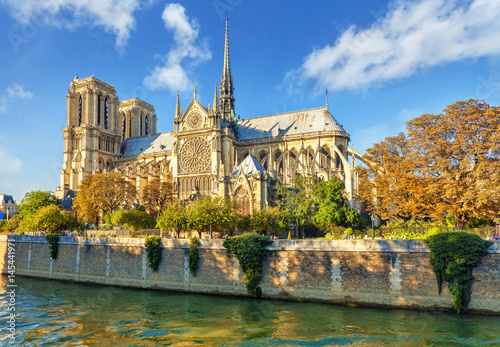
[394,246]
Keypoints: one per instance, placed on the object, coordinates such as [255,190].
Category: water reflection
[58,313]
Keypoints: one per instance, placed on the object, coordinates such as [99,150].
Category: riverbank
[384,273]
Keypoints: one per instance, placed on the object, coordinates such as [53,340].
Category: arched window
[147,125]
[129,126]
[124,124]
[279,166]
[326,159]
[140,122]
[80,111]
[310,156]
[262,156]
[106,113]
[99,109]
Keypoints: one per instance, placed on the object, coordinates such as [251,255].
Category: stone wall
[393,273]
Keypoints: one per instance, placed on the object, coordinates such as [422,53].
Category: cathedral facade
[210,152]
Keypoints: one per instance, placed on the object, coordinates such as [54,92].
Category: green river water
[54,313]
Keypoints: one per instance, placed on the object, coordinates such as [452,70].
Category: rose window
[194,155]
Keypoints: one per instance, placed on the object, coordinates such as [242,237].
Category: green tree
[298,201]
[133,220]
[36,199]
[212,215]
[174,217]
[272,220]
[50,218]
[332,209]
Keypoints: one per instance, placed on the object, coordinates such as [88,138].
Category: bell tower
[92,135]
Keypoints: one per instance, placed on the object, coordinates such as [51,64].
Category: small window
[124,125]
[147,125]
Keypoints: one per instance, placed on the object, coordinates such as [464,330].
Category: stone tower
[93,133]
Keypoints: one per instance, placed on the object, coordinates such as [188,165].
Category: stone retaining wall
[393,273]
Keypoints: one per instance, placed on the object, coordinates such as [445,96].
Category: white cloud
[173,74]
[413,35]
[13,92]
[115,16]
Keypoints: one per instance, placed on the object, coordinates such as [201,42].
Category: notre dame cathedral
[209,152]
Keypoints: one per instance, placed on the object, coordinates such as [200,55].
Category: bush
[349,232]
[193,256]
[250,250]
[53,240]
[102,235]
[453,256]
[153,251]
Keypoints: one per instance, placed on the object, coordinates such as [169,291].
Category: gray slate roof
[288,123]
[6,199]
[249,165]
[147,144]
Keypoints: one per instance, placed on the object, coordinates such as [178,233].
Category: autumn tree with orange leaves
[442,164]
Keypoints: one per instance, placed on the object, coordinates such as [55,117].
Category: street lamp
[373,228]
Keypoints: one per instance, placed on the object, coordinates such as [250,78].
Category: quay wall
[386,273]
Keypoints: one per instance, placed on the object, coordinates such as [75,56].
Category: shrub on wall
[193,256]
[250,250]
[453,257]
[53,240]
[153,251]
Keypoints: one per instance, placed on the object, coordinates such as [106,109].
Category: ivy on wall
[453,257]
[153,251]
[53,240]
[193,256]
[250,250]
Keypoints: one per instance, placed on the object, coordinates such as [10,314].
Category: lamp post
[373,229]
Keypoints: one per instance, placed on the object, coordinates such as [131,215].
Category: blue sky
[383,62]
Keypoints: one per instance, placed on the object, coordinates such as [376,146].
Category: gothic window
[310,156]
[106,114]
[338,160]
[195,155]
[99,109]
[279,165]
[129,126]
[146,122]
[140,121]
[80,111]
[243,200]
[263,156]
[326,159]
[124,123]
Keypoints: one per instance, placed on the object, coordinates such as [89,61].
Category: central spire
[226,83]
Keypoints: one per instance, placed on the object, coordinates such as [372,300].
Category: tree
[103,193]
[133,220]
[392,186]
[156,196]
[298,201]
[32,202]
[332,209]
[50,218]
[272,220]
[174,217]
[212,215]
[36,199]
[449,165]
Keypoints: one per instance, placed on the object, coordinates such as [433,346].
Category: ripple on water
[57,313]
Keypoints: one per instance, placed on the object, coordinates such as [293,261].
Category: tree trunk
[461,221]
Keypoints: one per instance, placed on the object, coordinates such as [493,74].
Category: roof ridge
[281,113]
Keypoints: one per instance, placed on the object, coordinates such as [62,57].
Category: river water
[54,313]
